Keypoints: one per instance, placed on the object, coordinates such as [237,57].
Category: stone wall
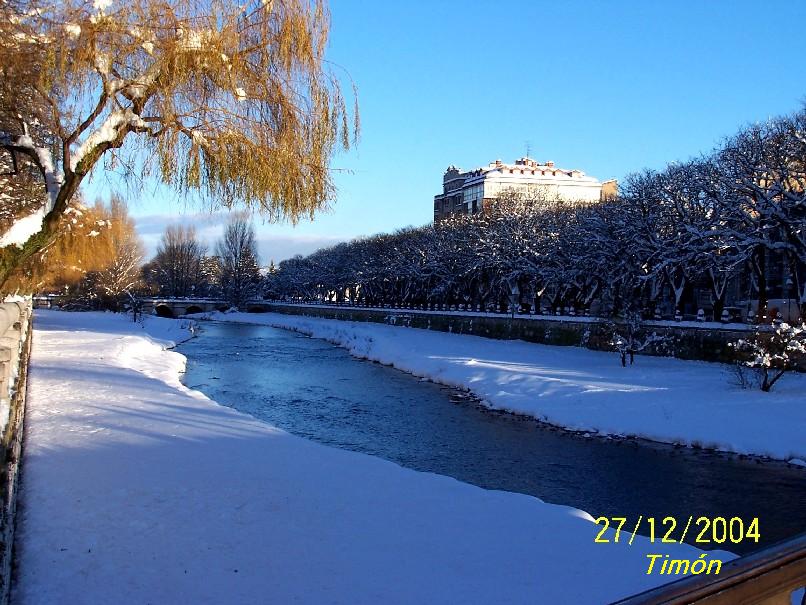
[708,342]
[15,347]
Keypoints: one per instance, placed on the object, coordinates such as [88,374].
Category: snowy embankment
[139,490]
[662,399]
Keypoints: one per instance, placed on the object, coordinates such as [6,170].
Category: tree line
[96,262]
[183,268]
[728,228]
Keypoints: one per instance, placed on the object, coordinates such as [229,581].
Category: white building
[466,192]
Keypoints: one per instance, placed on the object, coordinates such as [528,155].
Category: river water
[318,391]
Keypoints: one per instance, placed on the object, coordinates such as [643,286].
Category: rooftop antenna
[528,149]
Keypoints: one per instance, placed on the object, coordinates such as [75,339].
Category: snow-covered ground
[139,490]
[663,399]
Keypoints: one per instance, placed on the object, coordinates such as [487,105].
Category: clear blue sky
[605,87]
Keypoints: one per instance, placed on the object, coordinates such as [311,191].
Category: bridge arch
[193,309]
[163,310]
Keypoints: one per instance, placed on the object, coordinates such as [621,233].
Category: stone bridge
[177,307]
[168,307]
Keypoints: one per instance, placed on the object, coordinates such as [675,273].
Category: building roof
[524,168]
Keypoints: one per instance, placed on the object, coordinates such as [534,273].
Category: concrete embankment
[684,340]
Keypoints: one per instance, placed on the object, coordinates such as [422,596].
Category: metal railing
[767,577]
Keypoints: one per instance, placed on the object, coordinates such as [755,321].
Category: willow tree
[90,240]
[233,102]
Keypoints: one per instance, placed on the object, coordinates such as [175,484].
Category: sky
[608,88]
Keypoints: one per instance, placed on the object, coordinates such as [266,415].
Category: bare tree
[631,338]
[227,99]
[176,269]
[114,284]
[238,259]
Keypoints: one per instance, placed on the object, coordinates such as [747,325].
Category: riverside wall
[15,348]
[684,340]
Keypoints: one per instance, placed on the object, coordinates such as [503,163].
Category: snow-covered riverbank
[137,489]
[668,400]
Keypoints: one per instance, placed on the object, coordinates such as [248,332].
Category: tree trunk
[765,385]
[13,257]
[760,266]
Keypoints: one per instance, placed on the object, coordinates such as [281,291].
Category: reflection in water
[316,390]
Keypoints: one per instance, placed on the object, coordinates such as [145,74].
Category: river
[318,391]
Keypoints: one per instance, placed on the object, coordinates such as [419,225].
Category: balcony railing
[768,577]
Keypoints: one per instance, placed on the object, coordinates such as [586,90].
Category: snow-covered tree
[669,237]
[112,273]
[773,354]
[230,100]
[210,269]
[88,242]
[763,171]
[631,337]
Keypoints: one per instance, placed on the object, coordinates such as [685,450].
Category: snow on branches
[630,338]
[771,354]
[725,230]
[232,100]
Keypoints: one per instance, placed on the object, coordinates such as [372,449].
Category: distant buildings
[467,192]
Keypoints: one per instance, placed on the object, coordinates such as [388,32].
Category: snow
[73,30]
[101,5]
[105,133]
[22,229]
[659,398]
[194,39]
[137,489]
